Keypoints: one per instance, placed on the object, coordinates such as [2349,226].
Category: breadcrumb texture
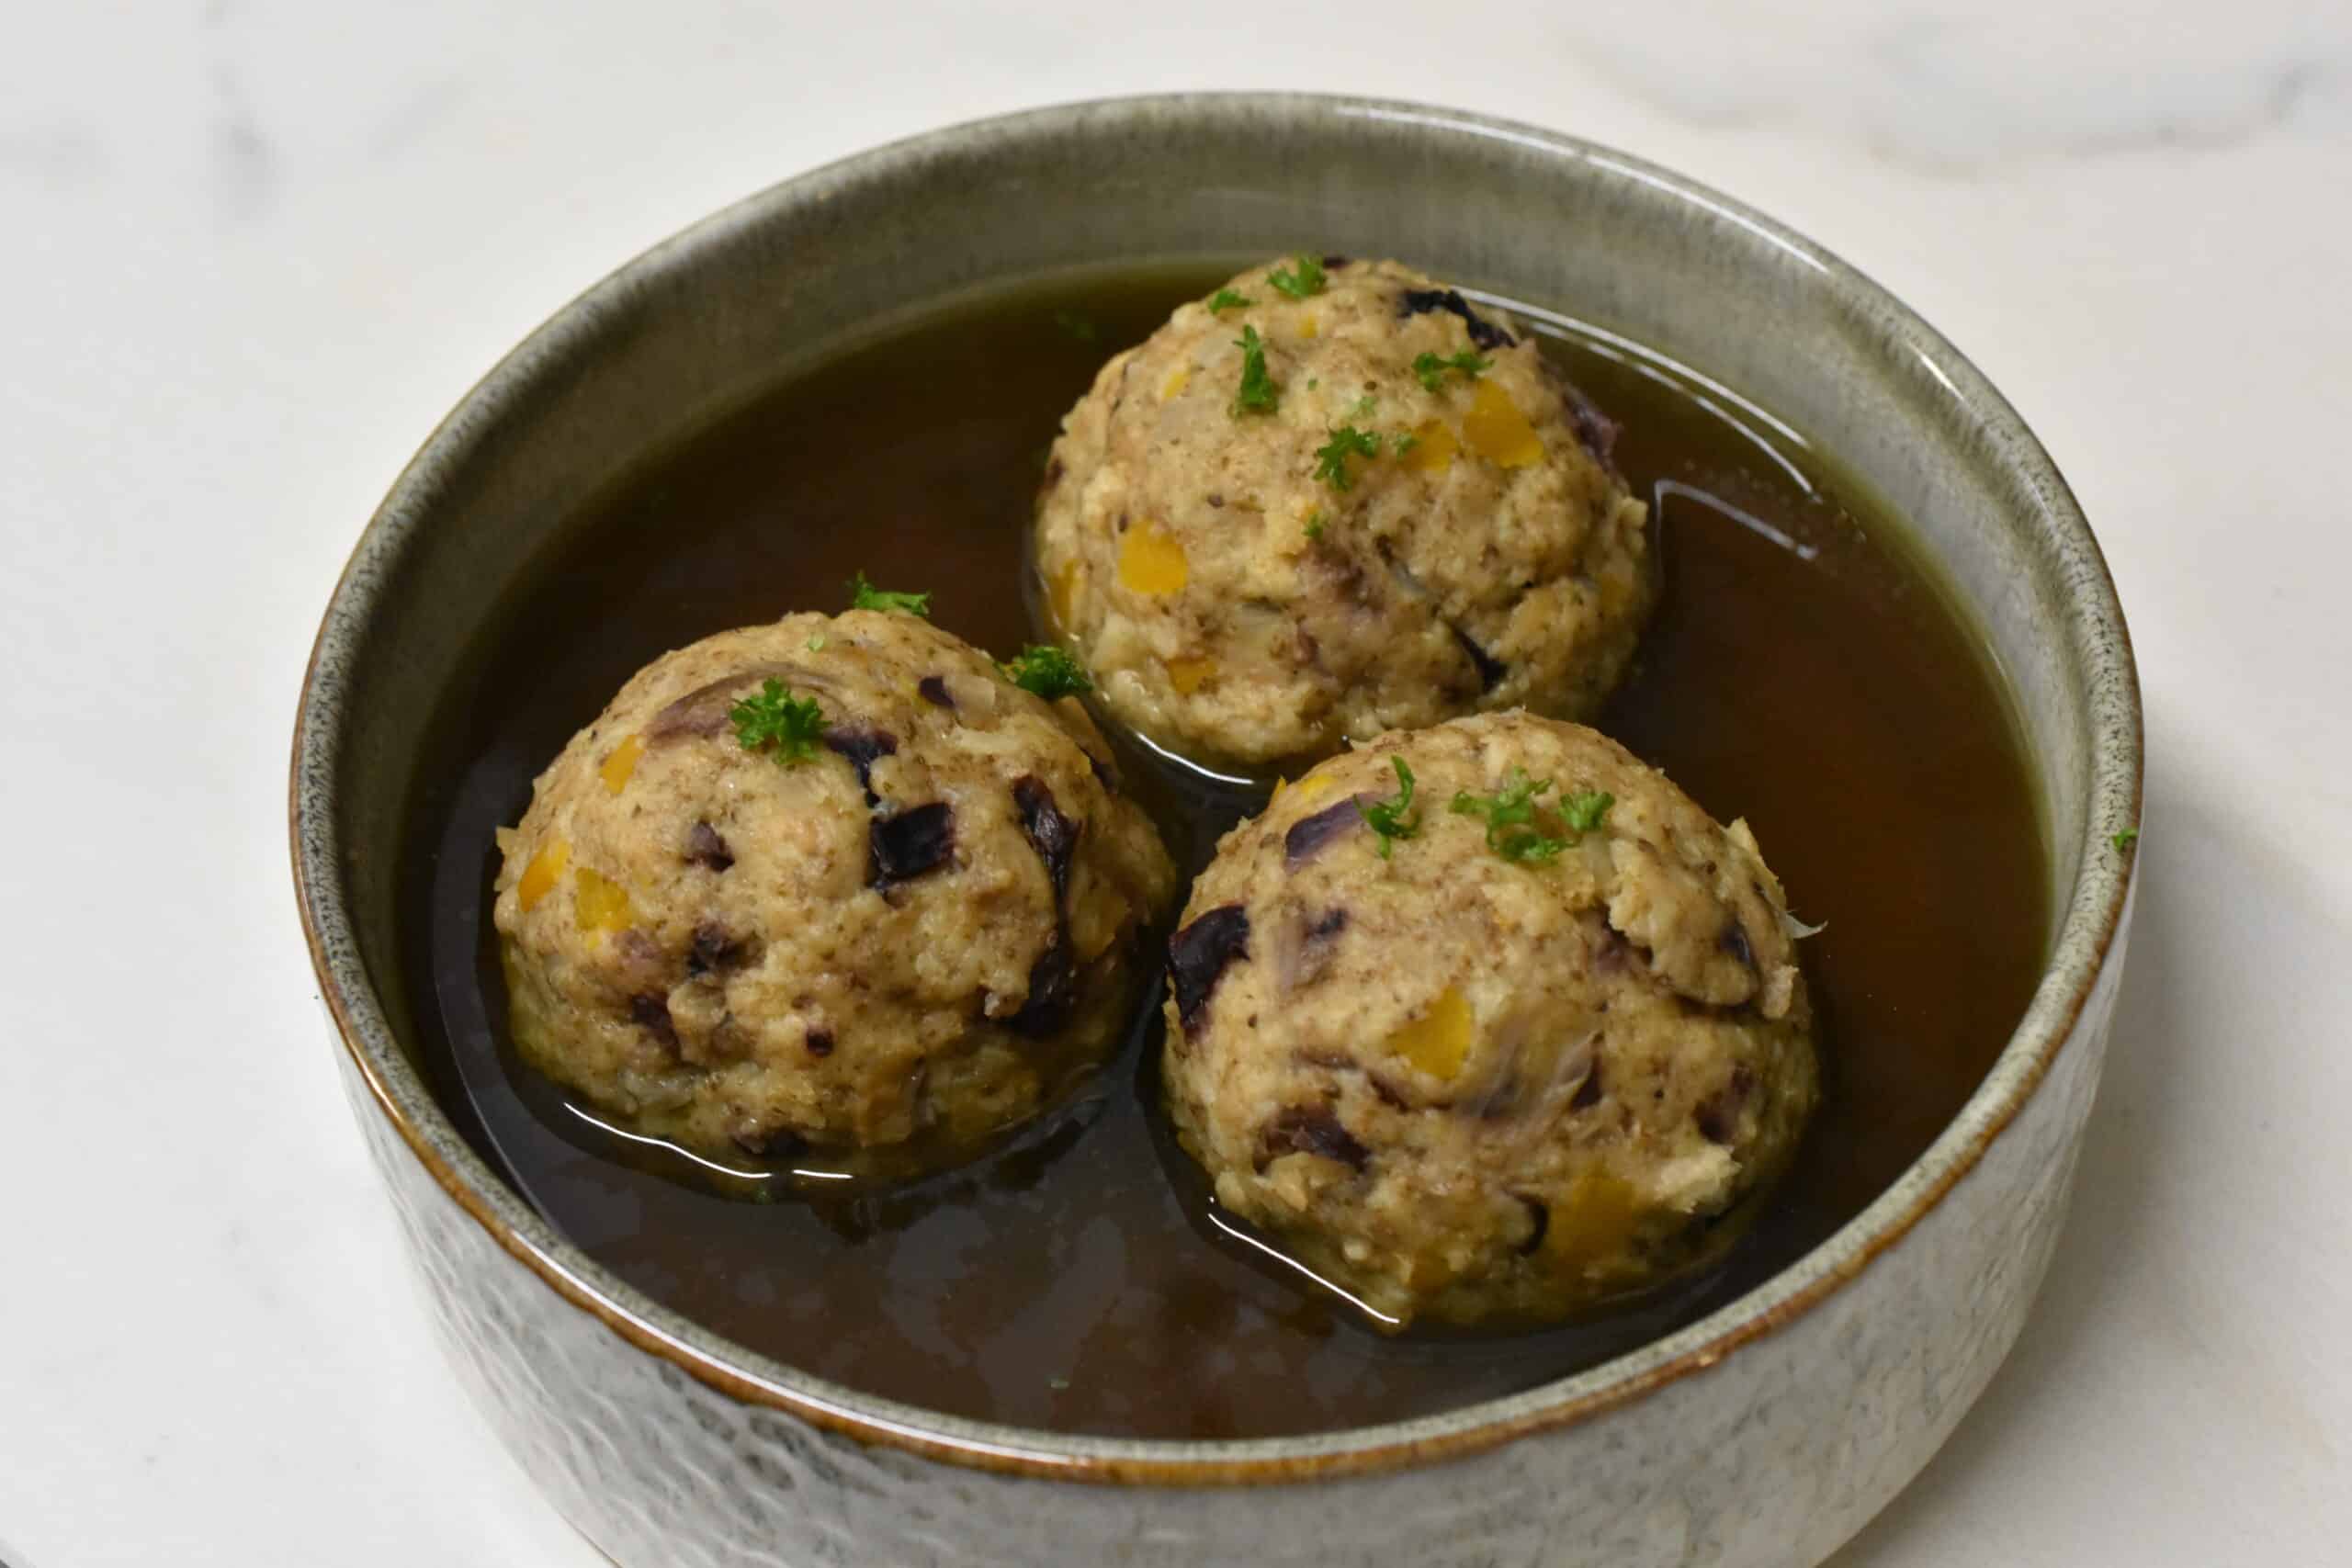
[878,958]
[1475,1091]
[1235,605]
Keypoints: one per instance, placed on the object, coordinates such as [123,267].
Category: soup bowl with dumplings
[1484,1044]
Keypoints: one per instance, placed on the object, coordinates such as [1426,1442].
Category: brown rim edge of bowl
[1370,1459]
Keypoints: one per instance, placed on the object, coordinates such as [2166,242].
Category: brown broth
[1803,672]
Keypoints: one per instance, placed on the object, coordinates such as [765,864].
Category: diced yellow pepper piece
[1601,1215]
[1439,1040]
[1495,430]
[600,904]
[1434,447]
[1175,382]
[1310,325]
[539,877]
[1061,594]
[622,764]
[1187,675]
[1312,785]
[1151,561]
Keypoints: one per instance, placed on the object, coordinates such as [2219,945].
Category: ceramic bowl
[1764,1433]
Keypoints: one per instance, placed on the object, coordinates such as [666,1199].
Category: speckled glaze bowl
[1765,1433]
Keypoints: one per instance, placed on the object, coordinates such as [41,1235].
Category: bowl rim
[2083,944]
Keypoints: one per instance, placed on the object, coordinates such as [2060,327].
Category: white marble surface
[252,249]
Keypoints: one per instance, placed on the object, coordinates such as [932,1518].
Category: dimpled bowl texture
[1765,1433]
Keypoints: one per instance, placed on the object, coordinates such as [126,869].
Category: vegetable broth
[1802,671]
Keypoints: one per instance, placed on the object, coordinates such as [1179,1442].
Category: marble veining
[1960,89]
[60,153]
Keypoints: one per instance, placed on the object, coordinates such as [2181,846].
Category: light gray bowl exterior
[1766,1434]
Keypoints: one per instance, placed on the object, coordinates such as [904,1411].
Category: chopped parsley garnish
[1332,459]
[864,595]
[1365,407]
[1258,394]
[1047,671]
[1227,299]
[1404,440]
[1394,820]
[1315,523]
[1431,367]
[1081,329]
[787,728]
[1510,813]
[815,642]
[1300,285]
[2125,839]
[1583,811]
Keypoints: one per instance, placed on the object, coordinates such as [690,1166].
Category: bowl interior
[713,318]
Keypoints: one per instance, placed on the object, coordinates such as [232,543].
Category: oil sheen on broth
[1801,672]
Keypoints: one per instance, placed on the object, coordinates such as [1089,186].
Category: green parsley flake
[1315,523]
[1081,329]
[1303,284]
[1227,299]
[2125,839]
[1365,407]
[787,728]
[1048,672]
[1404,440]
[1258,394]
[1394,820]
[1431,368]
[1510,814]
[1332,459]
[1583,811]
[864,595]
[817,642]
